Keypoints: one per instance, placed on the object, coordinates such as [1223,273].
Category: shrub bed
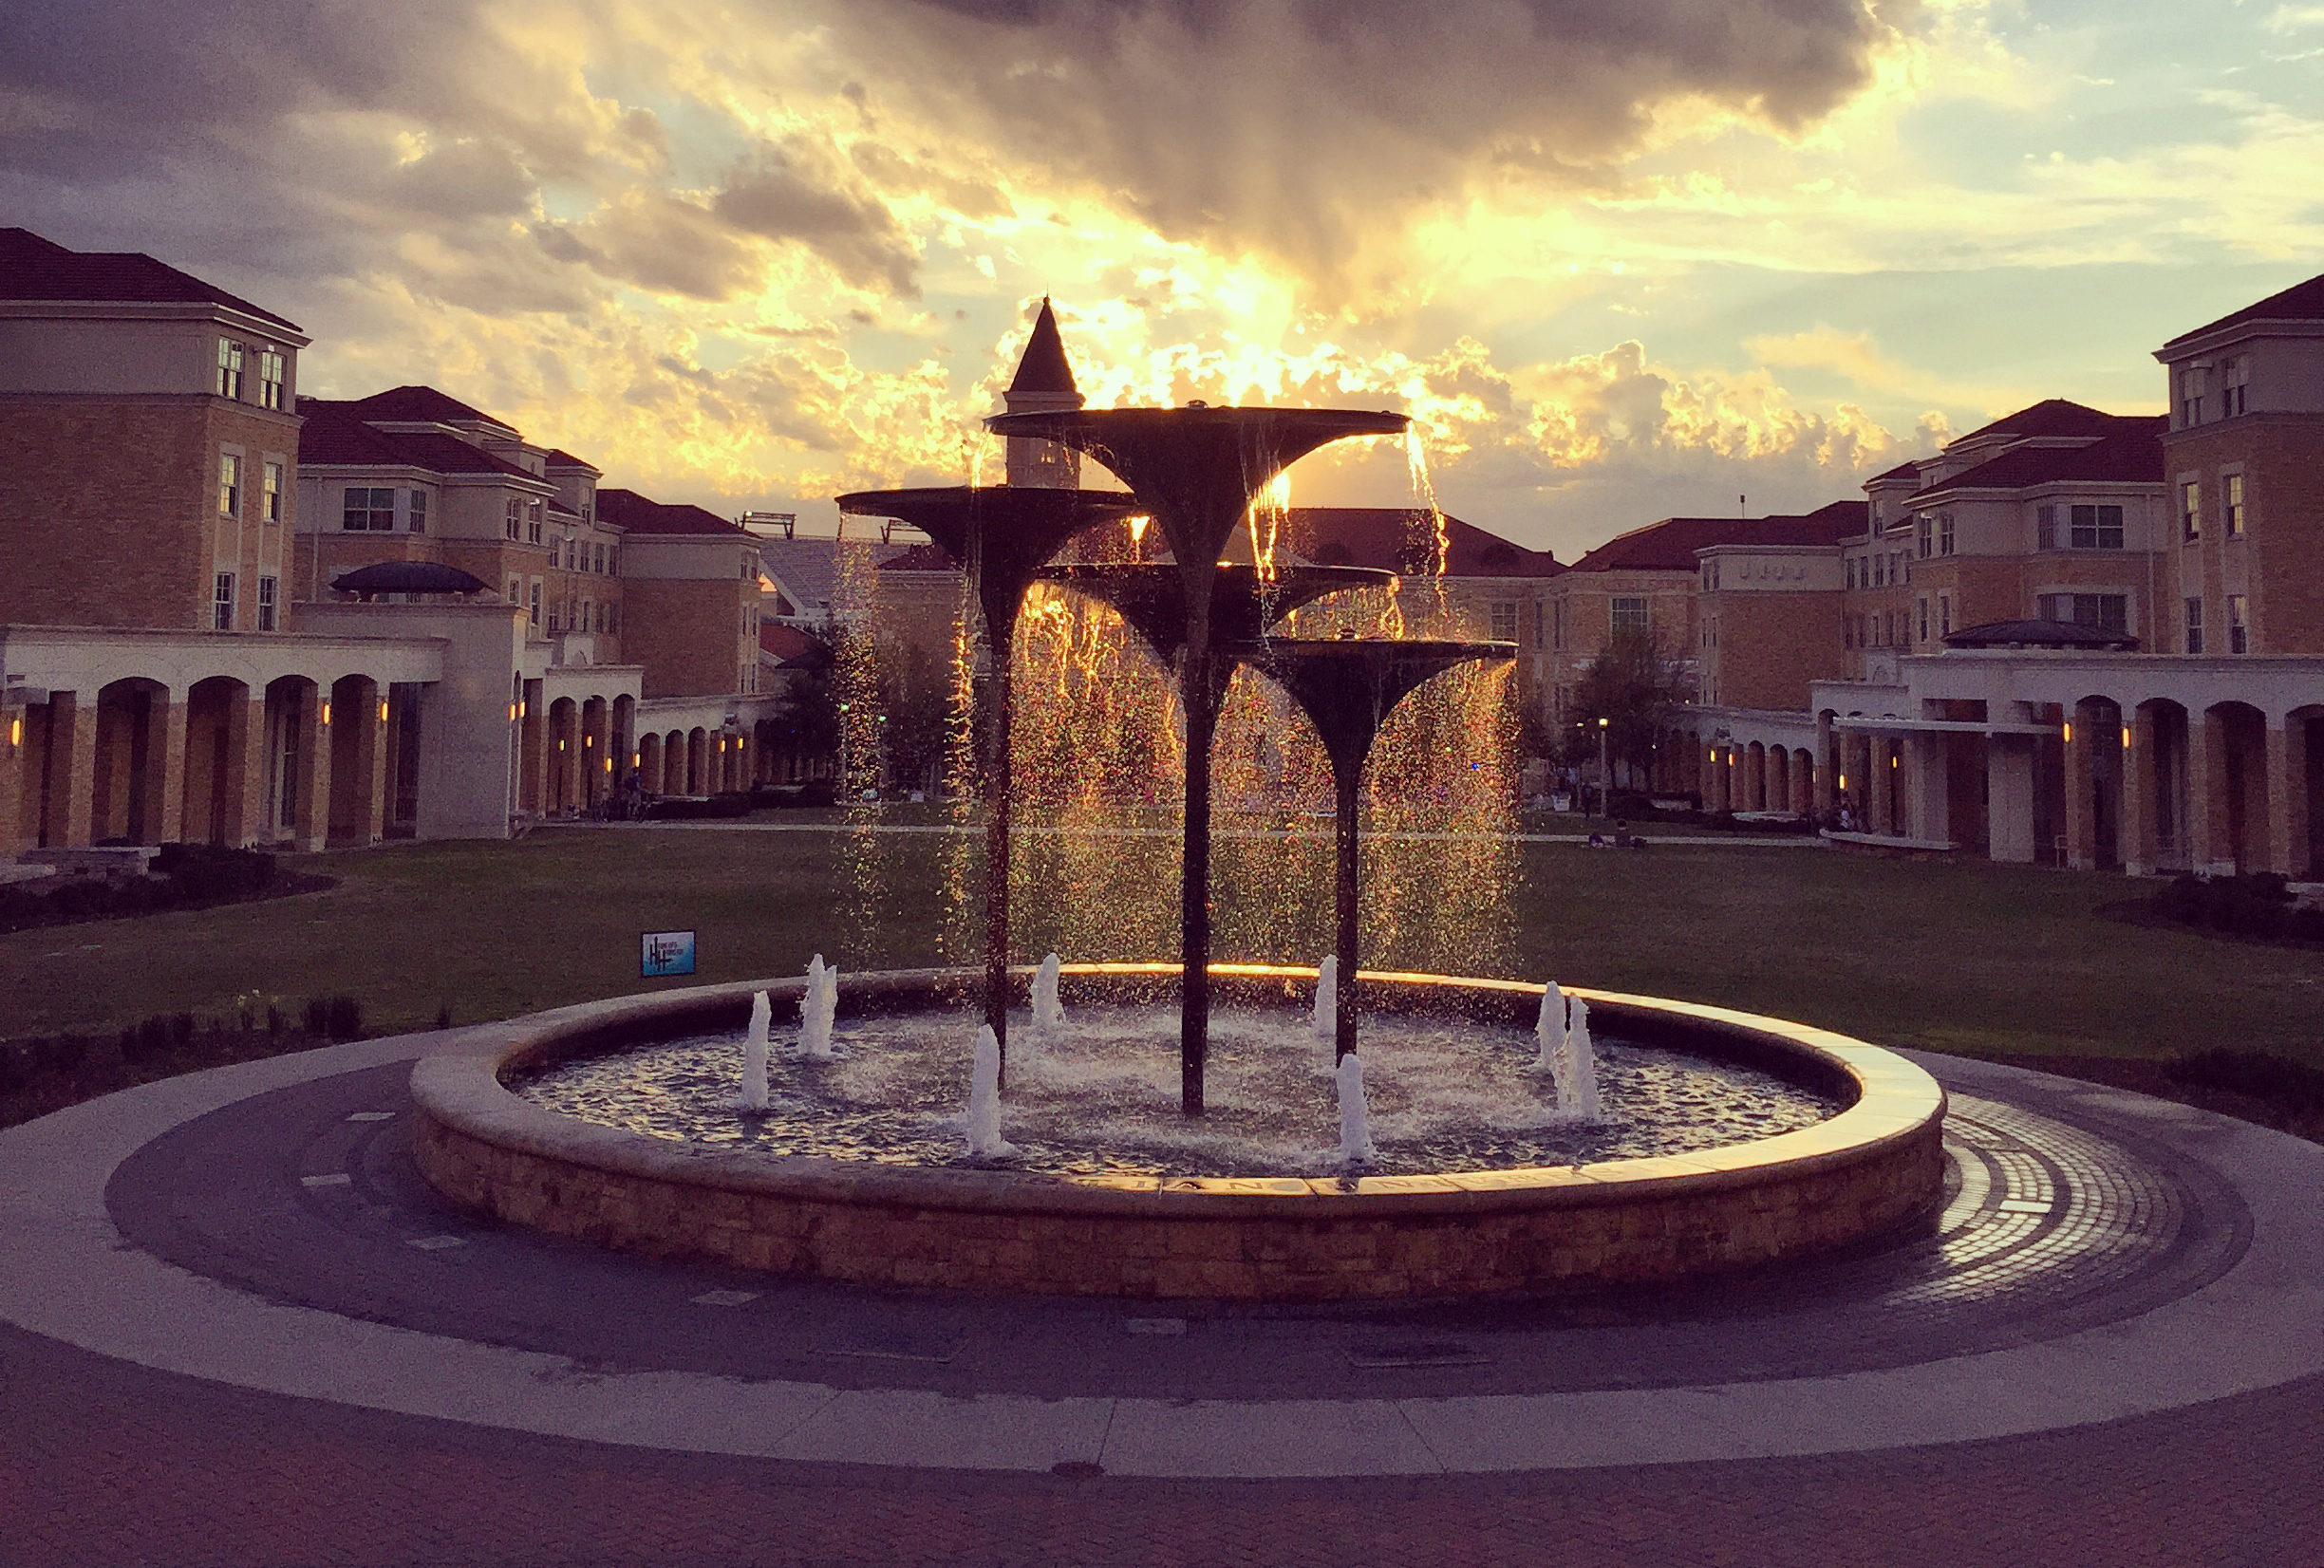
[182,876]
[2257,905]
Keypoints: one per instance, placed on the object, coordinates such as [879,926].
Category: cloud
[773,192]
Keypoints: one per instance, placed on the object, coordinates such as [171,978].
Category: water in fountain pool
[1102,1097]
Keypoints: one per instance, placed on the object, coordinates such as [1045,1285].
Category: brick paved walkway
[102,1463]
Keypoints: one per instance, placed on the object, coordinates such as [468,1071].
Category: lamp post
[1605,775]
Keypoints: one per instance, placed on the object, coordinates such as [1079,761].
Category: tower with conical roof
[1044,385]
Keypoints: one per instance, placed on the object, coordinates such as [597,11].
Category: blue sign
[666,952]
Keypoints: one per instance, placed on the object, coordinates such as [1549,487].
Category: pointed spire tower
[1044,385]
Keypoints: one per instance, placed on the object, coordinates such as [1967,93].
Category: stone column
[1880,782]
[533,752]
[374,750]
[310,786]
[2210,846]
[2139,851]
[244,813]
[2287,785]
[2081,785]
[1707,771]
[2009,804]
[1821,769]
[72,770]
[1927,805]
[15,746]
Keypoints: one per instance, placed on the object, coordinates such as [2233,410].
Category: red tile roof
[790,648]
[634,513]
[1670,545]
[337,435]
[1395,539]
[36,268]
[2134,455]
[2051,417]
[422,405]
[2301,302]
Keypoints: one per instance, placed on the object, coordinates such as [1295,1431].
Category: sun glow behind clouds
[754,256]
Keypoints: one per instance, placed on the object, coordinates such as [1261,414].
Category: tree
[1630,684]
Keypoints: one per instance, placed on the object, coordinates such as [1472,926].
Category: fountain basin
[1873,1167]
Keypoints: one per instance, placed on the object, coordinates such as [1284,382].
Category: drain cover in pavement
[1418,1353]
[896,1345]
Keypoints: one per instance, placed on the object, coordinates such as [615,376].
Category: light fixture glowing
[383,710]
[2065,732]
[326,713]
[1843,781]
[513,711]
[15,732]
[2126,738]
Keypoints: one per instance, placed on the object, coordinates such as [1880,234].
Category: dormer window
[270,379]
[229,369]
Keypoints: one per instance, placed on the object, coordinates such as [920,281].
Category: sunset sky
[1622,258]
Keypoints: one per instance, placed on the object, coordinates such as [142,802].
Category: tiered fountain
[881,1191]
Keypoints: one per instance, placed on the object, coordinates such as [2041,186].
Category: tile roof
[36,268]
[2301,302]
[423,406]
[2134,455]
[338,435]
[1670,545]
[2050,416]
[791,649]
[1395,539]
[633,514]
[1044,368]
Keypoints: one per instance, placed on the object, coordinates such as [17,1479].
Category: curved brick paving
[2071,1209]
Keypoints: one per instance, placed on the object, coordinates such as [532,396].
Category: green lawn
[1953,956]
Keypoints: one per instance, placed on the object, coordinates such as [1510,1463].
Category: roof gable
[32,267]
[2132,455]
[422,405]
[633,514]
[2301,302]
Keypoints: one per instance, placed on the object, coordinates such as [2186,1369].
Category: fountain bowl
[1875,1168]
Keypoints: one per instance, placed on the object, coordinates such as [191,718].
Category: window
[1923,534]
[2190,397]
[537,601]
[750,567]
[1629,614]
[2194,626]
[1879,571]
[2235,376]
[512,520]
[601,560]
[553,619]
[270,379]
[568,552]
[2191,511]
[2045,528]
[2097,528]
[601,615]
[1504,622]
[532,526]
[2107,612]
[614,617]
[1848,632]
[229,485]
[229,369]
[587,618]
[271,479]
[1944,615]
[266,603]
[515,591]
[2232,503]
[1924,621]
[612,561]
[415,514]
[1944,533]
[368,510]
[2239,623]
[222,602]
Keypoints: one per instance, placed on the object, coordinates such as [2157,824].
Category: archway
[132,794]
[359,761]
[221,765]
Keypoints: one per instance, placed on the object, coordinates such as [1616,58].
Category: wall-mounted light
[1895,762]
[1843,781]
[608,765]
[512,712]
[383,710]
[637,759]
[2065,732]
[2126,738]
[326,713]
[16,732]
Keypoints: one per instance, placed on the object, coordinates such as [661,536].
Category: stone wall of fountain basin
[1872,1169]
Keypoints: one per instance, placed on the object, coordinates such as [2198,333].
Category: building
[237,615]
[2077,638]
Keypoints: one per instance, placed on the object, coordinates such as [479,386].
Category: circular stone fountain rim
[464,1091]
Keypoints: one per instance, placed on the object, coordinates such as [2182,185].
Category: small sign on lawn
[666,952]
